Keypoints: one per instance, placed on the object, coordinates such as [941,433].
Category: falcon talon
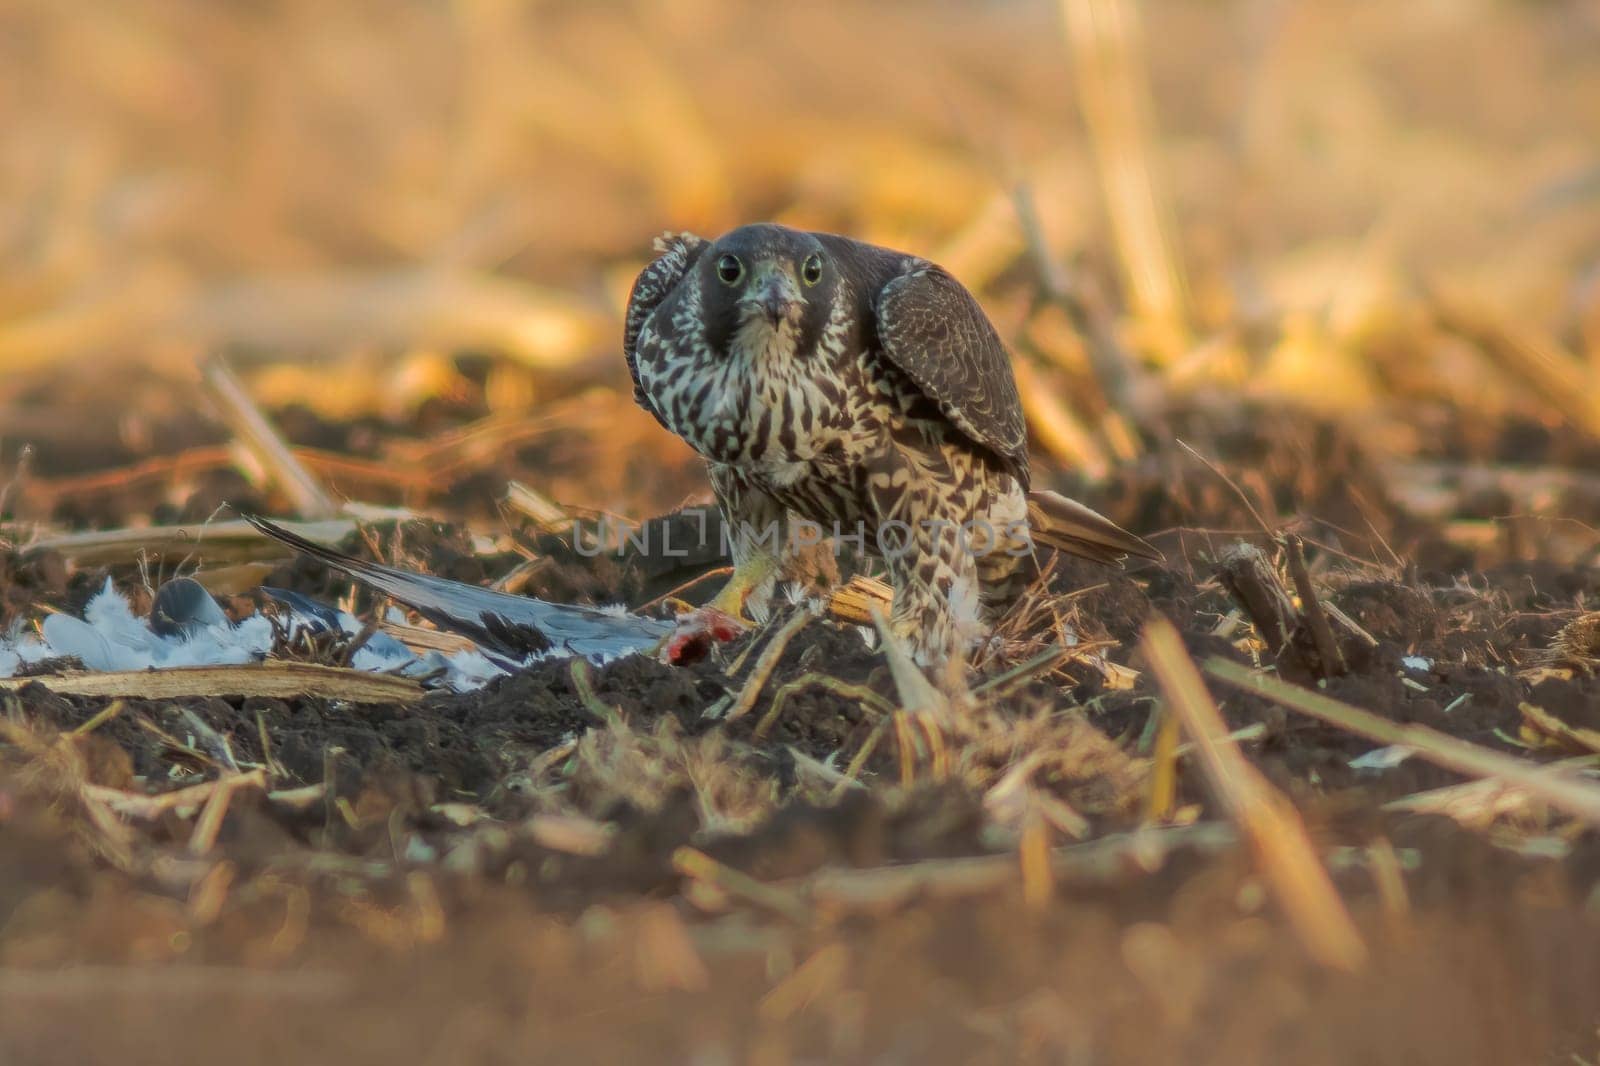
[832,383]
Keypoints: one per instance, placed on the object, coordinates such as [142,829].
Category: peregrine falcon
[861,394]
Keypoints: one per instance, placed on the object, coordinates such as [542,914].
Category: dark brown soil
[413,911]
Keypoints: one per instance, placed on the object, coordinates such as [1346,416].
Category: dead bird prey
[508,628]
[833,382]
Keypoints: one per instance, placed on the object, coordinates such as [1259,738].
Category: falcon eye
[811,269]
[729,270]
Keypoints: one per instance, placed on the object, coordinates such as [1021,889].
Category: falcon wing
[676,253]
[932,328]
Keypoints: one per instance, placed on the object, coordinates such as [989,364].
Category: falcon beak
[774,293]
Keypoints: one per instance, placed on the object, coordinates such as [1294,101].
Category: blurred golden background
[396,220]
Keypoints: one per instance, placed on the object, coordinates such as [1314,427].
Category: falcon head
[766,285]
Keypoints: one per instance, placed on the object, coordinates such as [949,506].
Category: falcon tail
[1071,527]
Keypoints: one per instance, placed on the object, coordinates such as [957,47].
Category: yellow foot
[746,578]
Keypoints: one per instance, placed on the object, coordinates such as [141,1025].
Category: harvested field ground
[602,864]
[498,874]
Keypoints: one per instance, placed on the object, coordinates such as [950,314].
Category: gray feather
[515,626]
